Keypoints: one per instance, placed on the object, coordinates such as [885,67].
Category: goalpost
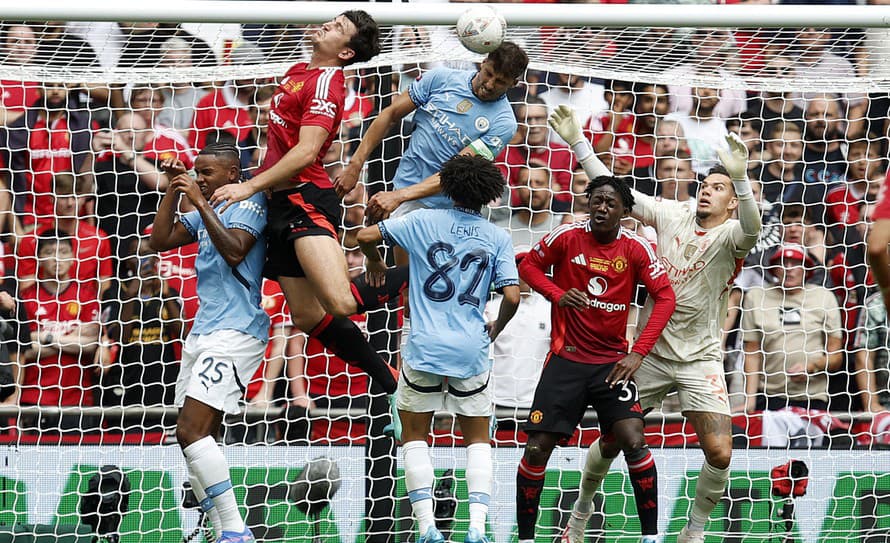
[618,65]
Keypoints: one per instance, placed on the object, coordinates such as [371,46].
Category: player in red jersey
[597,266]
[304,254]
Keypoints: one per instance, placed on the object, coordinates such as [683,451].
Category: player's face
[333,37]
[489,85]
[213,172]
[715,197]
[606,210]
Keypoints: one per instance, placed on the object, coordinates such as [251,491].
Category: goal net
[90,109]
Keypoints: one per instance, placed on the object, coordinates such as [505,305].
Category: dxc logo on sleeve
[323,107]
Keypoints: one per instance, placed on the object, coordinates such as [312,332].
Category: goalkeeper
[702,252]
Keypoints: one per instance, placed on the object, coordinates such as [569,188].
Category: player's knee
[186,434]
[719,457]
[632,444]
[339,307]
[537,453]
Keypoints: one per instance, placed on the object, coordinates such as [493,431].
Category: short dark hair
[718,170]
[509,59]
[471,181]
[620,184]
[366,41]
[224,151]
[53,237]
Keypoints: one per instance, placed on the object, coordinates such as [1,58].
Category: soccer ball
[481,29]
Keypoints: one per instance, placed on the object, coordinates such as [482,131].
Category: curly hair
[366,42]
[509,59]
[471,181]
[621,186]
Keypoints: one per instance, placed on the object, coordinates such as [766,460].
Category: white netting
[138,93]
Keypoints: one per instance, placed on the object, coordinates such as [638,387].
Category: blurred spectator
[813,57]
[49,138]
[59,48]
[782,167]
[519,353]
[92,264]
[792,338]
[260,113]
[181,98]
[584,97]
[143,319]
[532,143]
[669,137]
[703,129]
[262,391]
[580,201]
[628,139]
[141,44]
[824,160]
[771,106]
[17,46]
[163,142]
[676,180]
[146,101]
[127,184]
[58,330]
[225,108]
[749,128]
[864,171]
[712,53]
[532,217]
[871,346]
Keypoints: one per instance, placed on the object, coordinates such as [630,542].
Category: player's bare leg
[714,433]
[419,475]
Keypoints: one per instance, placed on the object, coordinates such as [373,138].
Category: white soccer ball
[481,29]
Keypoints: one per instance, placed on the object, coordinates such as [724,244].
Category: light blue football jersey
[455,257]
[229,297]
[449,117]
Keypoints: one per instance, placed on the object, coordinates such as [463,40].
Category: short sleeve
[422,89]
[397,231]
[324,100]
[192,221]
[833,323]
[497,138]
[249,215]
[505,271]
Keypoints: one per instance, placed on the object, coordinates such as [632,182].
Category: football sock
[343,338]
[644,480]
[206,504]
[709,489]
[479,472]
[596,466]
[529,484]
[368,297]
[206,461]
[419,479]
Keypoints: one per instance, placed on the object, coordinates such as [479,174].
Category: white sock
[206,461]
[207,504]
[479,483]
[709,489]
[419,479]
[596,466]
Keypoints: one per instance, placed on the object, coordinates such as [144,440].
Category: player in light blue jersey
[455,257]
[457,112]
[228,340]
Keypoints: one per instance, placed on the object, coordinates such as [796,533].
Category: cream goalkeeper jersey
[701,264]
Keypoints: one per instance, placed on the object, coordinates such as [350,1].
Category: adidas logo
[580,260]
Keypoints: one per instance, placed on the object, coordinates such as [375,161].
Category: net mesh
[109,101]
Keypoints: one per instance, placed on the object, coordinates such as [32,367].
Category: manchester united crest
[619,264]
[536,417]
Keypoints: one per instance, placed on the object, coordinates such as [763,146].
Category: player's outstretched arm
[346,180]
[564,122]
[735,160]
[368,238]
[508,308]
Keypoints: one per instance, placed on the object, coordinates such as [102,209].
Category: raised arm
[166,233]
[346,180]
[736,163]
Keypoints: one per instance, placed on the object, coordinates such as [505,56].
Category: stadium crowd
[98,319]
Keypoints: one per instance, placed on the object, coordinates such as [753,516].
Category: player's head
[610,201]
[54,254]
[716,195]
[217,164]
[352,36]
[471,181]
[500,71]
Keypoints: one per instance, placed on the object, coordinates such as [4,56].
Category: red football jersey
[61,379]
[18,95]
[219,111]
[609,275]
[49,150]
[92,253]
[305,97]
[168,143]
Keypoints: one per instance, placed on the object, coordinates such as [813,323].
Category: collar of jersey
[468,211]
